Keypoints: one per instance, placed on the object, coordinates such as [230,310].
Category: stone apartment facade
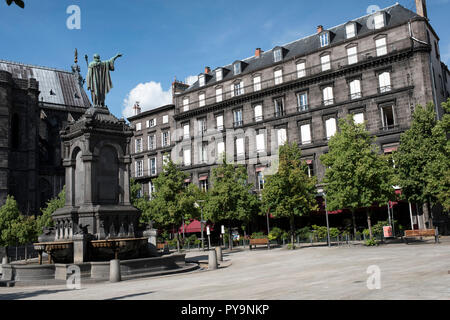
[35,104]
[377,67]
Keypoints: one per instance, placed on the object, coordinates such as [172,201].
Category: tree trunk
[369,223]
[292,231]
[178,242]
[427,215]
[230,238]
[354,223]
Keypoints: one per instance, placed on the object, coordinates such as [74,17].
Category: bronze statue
[99,80]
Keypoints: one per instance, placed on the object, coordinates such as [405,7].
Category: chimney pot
[421,8]
[319,29]
[258,52]
[207,70]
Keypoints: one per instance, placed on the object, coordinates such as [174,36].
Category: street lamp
[201,221]
[322,192]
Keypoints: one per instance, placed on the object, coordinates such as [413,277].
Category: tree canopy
[45,220]
[290,192]
[357,176]
[20,3]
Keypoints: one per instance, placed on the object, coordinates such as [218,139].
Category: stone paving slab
[407,272]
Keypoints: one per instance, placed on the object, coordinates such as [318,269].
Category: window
[138,145]
[277,56]
[358,118]
[281,135]
[201,125]
[279,107]
[237,89]
[328,98]
[384,82]
[301,69]
[203,183]
[355,89]
[201,99]
[186,132]
[165,139]
[201,80]
[330,126]
[237,114]
[260,143]
[139,168]
[237,68]
[278,75]
[387,117]
[166,119]
[204,152]
[152,166]
[151,189]
[258,113]
[186,104]
[187,157]
[325,62]
[219,74]
[260,180]
[324,39]
[257,83]
[138,126]
[310,165]
[240,151]
[151,142]
[352,54]
[305,133]
[219,122]
[350,30]
[381,46]
[219,96]
[220,150]
[147,123]
[302,101]
[379,20]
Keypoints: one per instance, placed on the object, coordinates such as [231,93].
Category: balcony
[356,95]
[303,108]
[384,89]
[238,124]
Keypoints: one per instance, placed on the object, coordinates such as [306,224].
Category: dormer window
[219,74]
[324,39]
[201,80]
[237,68]
[277,55]
[379,20]
[350,30]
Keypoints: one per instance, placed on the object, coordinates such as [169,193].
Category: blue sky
[161,39]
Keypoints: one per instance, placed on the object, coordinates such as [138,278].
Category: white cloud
[150,96]
[190,80]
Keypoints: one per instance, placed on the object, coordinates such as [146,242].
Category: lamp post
[322,192]
[201,221]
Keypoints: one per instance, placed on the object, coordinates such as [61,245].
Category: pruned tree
[20,3]
[357,176]
[290,192]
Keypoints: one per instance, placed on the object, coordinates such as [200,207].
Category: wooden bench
[414,234]
[261,241]
[160,246]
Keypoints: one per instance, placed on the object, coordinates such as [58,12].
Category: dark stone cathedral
[35,104]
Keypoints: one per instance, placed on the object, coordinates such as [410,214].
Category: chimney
[137,108]
[421,8]
[319,29]
[258,52]
[207,70]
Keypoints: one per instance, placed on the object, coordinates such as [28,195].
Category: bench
[160,246]
[261,241]
[413,234]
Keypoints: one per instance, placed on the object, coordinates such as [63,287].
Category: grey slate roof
[395,15]
[56,86]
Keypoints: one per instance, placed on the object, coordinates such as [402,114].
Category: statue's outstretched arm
[117,56]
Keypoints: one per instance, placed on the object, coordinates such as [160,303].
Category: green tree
[9,217]
[438,169]
[140,201]
[45,220]
[357,176]
[290,192]
[231,197]
[172,202]
[416,163]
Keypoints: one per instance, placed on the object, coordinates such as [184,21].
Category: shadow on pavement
[25,295]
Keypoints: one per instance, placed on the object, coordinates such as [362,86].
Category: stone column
[79,248]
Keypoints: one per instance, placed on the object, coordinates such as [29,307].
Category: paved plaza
[417,271]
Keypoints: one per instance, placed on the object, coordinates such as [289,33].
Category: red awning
[194,227]
[203,178]
[260,169]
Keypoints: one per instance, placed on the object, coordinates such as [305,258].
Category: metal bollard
[114,271]
[219,254]
[212,260]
